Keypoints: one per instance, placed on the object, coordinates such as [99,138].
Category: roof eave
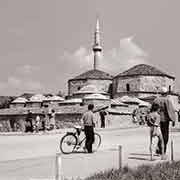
[90,78]
[132,75]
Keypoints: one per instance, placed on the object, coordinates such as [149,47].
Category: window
[79,88]
[170,89]
[127,87]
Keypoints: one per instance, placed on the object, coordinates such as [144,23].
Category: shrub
[160,171]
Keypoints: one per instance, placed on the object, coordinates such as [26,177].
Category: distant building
[19,102]
[35,101]
[52,100]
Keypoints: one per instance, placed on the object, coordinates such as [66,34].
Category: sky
[43,43]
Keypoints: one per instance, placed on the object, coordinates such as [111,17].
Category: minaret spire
[97,47]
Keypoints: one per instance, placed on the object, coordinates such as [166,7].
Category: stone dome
[37,98]
[145,70]
[20,100]
[54,98]
[93,74]
[96,96]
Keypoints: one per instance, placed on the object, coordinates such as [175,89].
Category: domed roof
[55,98]
[117,101]
[20,100]
[37,98]
[127,99]
[96,96]
[90,88]
[144,69]
[93,74]
[144,103]
[74,100]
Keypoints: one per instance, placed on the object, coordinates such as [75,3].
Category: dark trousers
[43,125]
[89,133]
[165,133]
[102,122]
[29,126]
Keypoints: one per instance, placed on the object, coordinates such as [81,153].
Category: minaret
[97,47]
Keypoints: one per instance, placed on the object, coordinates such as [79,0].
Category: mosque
[141,81]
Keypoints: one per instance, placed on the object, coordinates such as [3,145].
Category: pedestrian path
[61,131]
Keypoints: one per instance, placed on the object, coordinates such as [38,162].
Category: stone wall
[105,102]
[155,83]
[119,85]
[67,120]
[17,105]
[33,104]
[17,122]
[141,86]
[120,121]
[75,85]
[12,123]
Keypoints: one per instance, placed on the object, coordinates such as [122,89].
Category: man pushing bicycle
[88,120]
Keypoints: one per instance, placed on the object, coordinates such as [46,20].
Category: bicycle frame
[77,134]
[78,142]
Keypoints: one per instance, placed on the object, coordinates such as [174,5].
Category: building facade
[141,81]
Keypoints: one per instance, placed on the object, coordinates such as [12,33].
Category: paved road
[33,156]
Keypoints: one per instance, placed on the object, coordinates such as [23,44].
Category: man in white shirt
[88,120]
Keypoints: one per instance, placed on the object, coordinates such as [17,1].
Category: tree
[5,101]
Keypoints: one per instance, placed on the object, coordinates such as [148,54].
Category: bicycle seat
[77,127]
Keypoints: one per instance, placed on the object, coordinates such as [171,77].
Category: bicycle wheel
[68,143]
[97,142]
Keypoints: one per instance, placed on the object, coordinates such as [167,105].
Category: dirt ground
[33,156]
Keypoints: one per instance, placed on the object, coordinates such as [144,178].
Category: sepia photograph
[89,90]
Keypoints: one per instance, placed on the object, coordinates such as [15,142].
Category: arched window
[127,87]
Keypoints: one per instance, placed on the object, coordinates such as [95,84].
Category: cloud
[114,60]
[128,54]
[26,69]
[14,85]
[23,84]
[80,57]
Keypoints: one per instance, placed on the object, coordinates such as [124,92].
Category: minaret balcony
[97,48]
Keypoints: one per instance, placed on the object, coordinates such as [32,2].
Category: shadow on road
[139,154]
[79,152]
[139,158]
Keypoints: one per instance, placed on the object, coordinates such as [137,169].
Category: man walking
[88,122]
[29,122]
[102,117]
[167,114]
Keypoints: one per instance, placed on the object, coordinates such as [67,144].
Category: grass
[160,171]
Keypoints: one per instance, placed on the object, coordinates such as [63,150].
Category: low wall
[17,123]
[13,123]
[116,121]
[67,120]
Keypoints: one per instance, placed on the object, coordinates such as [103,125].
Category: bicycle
[71,141]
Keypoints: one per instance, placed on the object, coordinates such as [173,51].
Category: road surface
[32,157]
